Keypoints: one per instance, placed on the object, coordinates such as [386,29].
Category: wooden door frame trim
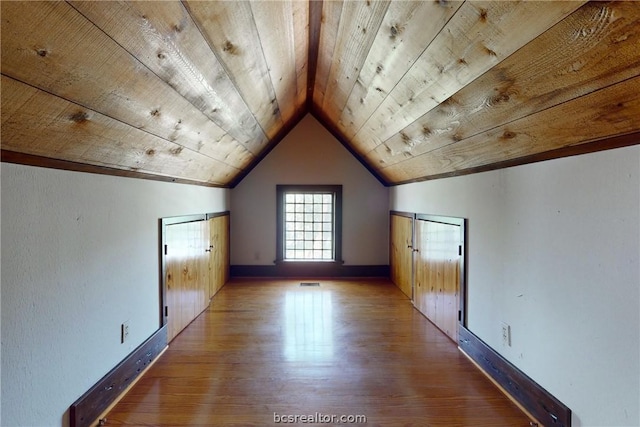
[217,214]
[401,213]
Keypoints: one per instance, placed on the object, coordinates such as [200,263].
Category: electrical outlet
[506,335]
[124,332]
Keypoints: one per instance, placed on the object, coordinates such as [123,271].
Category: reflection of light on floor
[308,326]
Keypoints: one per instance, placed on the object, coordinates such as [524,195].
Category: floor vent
[309,284]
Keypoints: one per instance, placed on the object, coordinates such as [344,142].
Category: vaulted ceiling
[200,91]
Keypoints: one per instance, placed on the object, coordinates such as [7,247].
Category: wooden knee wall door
[219,255]
[187,272]
[195,266]
[400,253]
[437,273]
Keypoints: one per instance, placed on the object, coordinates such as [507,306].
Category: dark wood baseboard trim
[309,270]
[93,403]
[538,402]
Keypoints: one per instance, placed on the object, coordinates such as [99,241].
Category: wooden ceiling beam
[331,14]
[315,25]
[301,33]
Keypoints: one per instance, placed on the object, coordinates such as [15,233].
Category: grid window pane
[309,226]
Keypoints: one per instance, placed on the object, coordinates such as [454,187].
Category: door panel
[437,273]
[401,253]
[187,271]
[219,256]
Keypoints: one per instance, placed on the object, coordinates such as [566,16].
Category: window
[309,223]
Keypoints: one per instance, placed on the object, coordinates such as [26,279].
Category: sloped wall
[310,155]
[553,252]
[79,257]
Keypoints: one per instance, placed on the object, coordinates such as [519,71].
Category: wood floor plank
[355,347]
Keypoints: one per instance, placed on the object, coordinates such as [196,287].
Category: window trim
[281,189]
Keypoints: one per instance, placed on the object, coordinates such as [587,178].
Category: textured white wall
[80,256]
[310,155]
[553,251]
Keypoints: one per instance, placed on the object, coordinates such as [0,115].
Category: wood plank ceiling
[200,91]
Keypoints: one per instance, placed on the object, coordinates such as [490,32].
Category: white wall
[80,256]
[310,155]
[553,251]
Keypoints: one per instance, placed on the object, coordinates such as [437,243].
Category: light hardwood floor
[345,348]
